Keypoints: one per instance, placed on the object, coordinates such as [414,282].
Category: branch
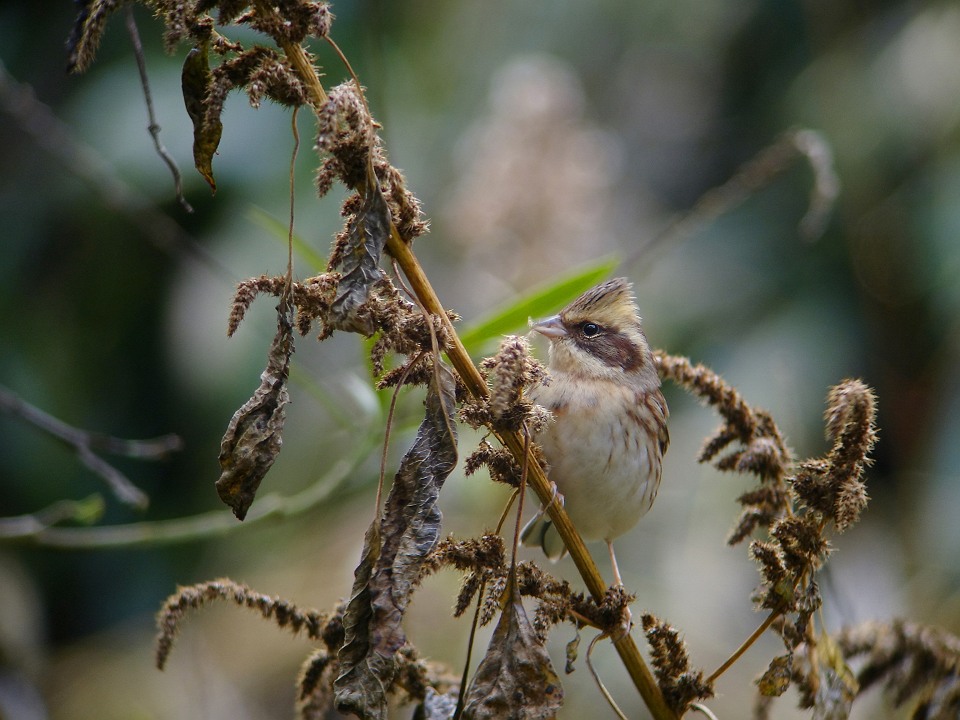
[154,127]
[84,443]
[38,528]
[49,133]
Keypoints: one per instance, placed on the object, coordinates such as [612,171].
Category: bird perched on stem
[605,445]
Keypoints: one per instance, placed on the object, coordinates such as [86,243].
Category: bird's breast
[603,462]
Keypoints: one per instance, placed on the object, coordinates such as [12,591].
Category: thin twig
[462,695]
[744,646]
[755,174]
[288,288]
[386,432]
[700,707]
[51,134]
[84,443]
[154,127]
[523,492]
[356,80]
[596,678]
[36,528]
[21,526]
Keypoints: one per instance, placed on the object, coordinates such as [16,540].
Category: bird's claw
[625,626]
[555,496]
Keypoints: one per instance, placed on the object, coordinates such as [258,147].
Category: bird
[604,448]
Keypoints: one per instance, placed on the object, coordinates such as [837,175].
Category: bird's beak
[551,327]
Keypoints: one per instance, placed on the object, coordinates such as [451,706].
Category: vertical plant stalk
[626,647]
[460,359]
[298,57]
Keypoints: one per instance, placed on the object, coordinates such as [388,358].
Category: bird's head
[599,334]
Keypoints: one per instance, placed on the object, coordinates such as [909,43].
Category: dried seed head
[679,684]
[509,373]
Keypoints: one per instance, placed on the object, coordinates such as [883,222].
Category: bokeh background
[539,137]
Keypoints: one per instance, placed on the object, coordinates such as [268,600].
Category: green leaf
[89,510]
[539,302]
[280,231]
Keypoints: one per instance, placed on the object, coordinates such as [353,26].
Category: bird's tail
[540,531]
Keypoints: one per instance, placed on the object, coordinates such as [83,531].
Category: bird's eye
[590,330]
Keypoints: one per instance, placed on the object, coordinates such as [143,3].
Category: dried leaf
[515,678]
[253,437]
[396,549]
[195,84]
[359,260]
[411,522]
[573,648]
[837,685]
[366,670]
[775,681]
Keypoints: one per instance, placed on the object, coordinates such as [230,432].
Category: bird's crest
[611,303]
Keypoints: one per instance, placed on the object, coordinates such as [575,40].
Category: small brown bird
[609,433]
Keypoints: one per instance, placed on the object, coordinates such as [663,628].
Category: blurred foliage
[538,142]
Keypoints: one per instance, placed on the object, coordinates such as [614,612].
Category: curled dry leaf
[253,437]
[573,648]
[359,260]
[366,668]
[395,551]
[195,84]
[515,678]
[837,686]
[776,679]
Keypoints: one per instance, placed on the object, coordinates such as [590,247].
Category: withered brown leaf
[366,669]
[253,437]
[195,83]
[515,678]
[837,686]
[359,260]
[573,649]
[776,679]
[395,551]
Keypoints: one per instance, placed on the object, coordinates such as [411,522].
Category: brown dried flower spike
[831,485]
[509,373]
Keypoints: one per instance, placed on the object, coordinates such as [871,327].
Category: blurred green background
[539,137]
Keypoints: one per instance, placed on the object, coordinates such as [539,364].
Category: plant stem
[743,647]
[626,647]
[460,359]
[298,57]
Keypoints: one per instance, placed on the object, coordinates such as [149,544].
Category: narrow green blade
[279,230]
[539,302]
